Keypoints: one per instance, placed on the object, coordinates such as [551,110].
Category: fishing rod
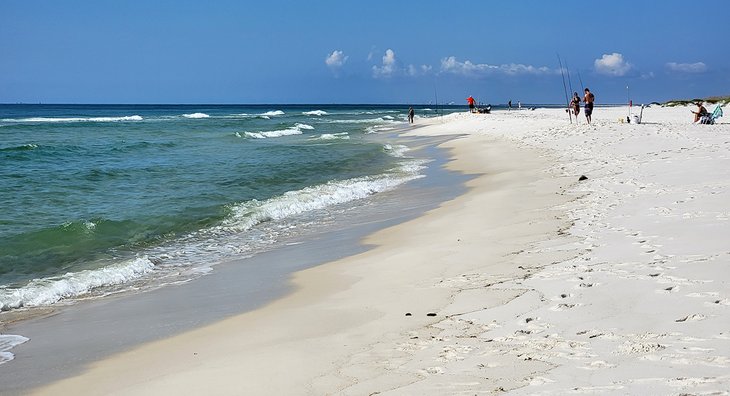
[570,93]
[565,88]
[570,82]
[436,96]
[582,87]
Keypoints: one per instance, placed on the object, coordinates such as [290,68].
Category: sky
[394,51]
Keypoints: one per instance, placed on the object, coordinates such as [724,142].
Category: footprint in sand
[562,296]
[630,348]
[563,307]
[670,289]
[598,364]
[433,370]
[691,318]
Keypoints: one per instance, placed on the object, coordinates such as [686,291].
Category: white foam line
[74,119]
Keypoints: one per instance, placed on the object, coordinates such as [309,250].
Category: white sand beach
[532,282]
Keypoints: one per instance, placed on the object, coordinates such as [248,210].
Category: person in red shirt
[470,101]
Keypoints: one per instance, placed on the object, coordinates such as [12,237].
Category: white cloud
[391,67]
[612,65]
[415,71]
[388,69]
[468,68]
[336,59]
[697,67]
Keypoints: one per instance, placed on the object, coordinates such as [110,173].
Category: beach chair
[710,119]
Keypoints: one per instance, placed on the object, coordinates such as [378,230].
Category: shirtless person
[588,99]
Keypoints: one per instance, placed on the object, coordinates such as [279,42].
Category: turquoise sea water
[96,199]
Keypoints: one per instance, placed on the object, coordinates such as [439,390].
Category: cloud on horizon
[336,59]
[697,67]
[612,65]
[468,68]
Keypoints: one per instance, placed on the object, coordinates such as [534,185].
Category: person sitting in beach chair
[701,111]
[485,110]
[710,119]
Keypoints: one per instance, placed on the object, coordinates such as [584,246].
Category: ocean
[103,199]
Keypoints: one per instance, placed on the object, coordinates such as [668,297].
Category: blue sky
[134,51]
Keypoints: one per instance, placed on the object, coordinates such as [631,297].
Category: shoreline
[530,282]
[356,301]
[119,322]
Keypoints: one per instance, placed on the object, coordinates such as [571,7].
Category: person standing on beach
[588,98]
[470,101]
[509,105]
[411,114]
[575,105]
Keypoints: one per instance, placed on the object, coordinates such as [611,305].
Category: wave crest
[47,291]
[22,147]
[315,113]
[333,136]
[73,119]
[248,214]
[196,115]
[295,130]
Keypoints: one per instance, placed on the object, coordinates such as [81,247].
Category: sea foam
[248,214]
[295,130]
[315,113]
[333,136]
[7,342]
[365,121]
[74,119]
[196,115]
[47,291]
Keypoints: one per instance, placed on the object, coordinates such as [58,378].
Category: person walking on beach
[588,98]
[411,113]
[509,105]
[575,105]
[470,101]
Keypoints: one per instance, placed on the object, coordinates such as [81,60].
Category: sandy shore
[540,284]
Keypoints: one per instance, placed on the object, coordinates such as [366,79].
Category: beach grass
[723,100]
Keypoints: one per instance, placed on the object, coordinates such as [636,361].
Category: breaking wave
[47,291]
[315,113]
[333,136]
[73,119]
[295,130]
[196,115]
